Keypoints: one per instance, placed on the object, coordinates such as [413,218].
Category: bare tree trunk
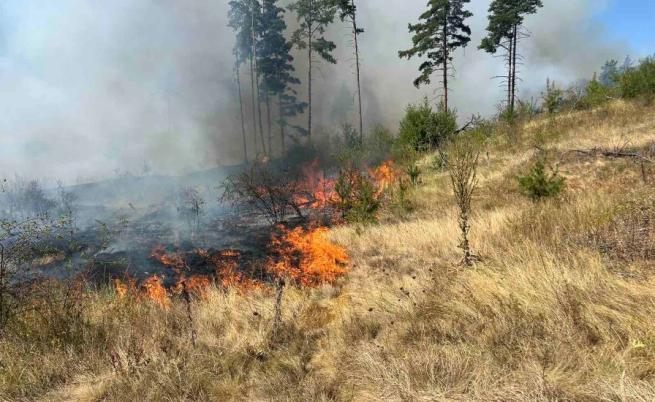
[268,122]
[282,122]
[509,72]
[309,83]
[445,63]
[259,103]
[516,42]
[254,110]
[243,125]
[357,66]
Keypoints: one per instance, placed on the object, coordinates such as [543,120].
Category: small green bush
[538,184]
[422,128]
[357,198]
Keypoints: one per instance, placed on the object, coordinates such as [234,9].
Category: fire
[175,261]
[197,285]
[226,263]
[307,257]
[318,190]
[384,175]
[231,278]
[153,289]
[125,288]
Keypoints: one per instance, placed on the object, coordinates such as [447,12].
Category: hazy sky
[91,87]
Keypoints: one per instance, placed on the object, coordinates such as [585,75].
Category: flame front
[384,175]
[153,289]
[307,257]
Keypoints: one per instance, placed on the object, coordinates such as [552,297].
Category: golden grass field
[561,306]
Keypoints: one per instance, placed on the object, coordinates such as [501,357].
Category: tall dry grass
[560,307]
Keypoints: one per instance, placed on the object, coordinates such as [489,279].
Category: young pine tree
[313,16]
[348,12]
[504,32]
[441,30]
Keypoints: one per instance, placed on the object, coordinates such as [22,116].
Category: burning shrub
[265,189]
[307,257]
[316,190]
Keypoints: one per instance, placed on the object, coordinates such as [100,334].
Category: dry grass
[561,306]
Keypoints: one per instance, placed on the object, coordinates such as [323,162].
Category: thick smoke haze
[89,89]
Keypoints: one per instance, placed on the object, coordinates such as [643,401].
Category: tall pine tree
[504,32]
[238,15]
[244,16]
[313,17]
[441,31]
[348,12]
[275,65]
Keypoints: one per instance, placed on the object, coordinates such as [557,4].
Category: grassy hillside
[561,305]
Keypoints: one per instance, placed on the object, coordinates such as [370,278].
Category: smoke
[89,89]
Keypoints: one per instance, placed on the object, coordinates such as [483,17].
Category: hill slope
[561,305]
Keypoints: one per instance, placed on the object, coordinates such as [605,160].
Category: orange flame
[125,288]
[319,191]
[154,290]
[197,285]
[174,261]
[307,257]
[384,175]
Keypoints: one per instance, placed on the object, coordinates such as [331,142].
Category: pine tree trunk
[359,86]
[309,84]
[445,62]
[243,125]
[282,124]
[516,42]
[256,78]
[254,110]
[268,124]
[509,72]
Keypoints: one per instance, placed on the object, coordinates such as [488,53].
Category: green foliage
[639,81]
[538,184]
[379,145]
[553,98]
[596,94]
[313,17]
[422,128]
[357,198]
[504,16]
[441,31]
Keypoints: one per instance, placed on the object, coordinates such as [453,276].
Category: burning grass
[543,317]
[307,257]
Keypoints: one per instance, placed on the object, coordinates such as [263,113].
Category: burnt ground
[121,245]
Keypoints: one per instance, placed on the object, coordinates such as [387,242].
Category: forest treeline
[265,46]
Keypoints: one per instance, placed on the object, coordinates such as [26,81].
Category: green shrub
[553,98]
[357,198]
[640,80]
[538,184]
[422,128]
[378,145]
[596,94]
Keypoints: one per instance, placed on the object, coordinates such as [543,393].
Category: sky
[632,21]
[91,89]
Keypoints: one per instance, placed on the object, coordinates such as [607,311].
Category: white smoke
[89,88]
